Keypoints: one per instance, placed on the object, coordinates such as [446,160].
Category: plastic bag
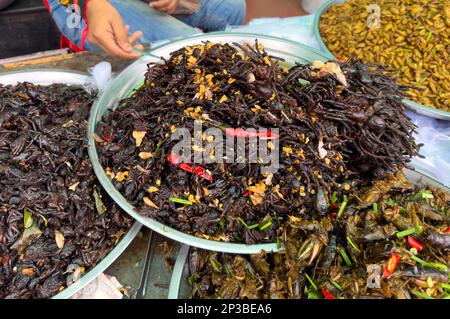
[101,74]
[435,135]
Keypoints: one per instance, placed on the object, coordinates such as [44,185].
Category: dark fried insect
[336,131]
[440,240]
[366,256]
[50,230]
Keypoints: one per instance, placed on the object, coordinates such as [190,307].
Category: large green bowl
[413,106]
[133,76]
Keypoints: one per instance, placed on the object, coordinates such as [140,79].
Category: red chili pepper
[327,295]
[106,138]
[240,132]
[246,193]
[333,214]
[447,230]
[174,159]
[391,265]
[334,206]
[414,243]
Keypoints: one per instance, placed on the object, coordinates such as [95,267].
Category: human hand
[167,6]
[107,31]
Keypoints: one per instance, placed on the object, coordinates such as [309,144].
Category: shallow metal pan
[47,77]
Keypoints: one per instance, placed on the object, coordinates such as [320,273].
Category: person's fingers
[160,4]
[169,9]
[108,44]
[120,33]
[172,8]
[134,37]
[165,10]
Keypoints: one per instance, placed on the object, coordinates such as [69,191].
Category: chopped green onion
[158,146]
[311,282]
[414,197]
[180,201]
[427,264]
[137,88]
[342,207]
[313,294]
[406,232]
[336,285]
[27,219]
[424,195]
[344,255]
[353,245]
[429,282]
[303,81]
[438,266]
[247,226]
[417,259]
[390,202]
[278,243]
[375,207]
[242,222]
[334,198]
[419,228]
[421,295]
[429,34]
[445,286]
[266,225]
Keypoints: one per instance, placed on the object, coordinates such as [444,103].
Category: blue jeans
[213,15]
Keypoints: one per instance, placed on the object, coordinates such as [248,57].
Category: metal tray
[47,77]
[133,76]
[413,106]
[179,287]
